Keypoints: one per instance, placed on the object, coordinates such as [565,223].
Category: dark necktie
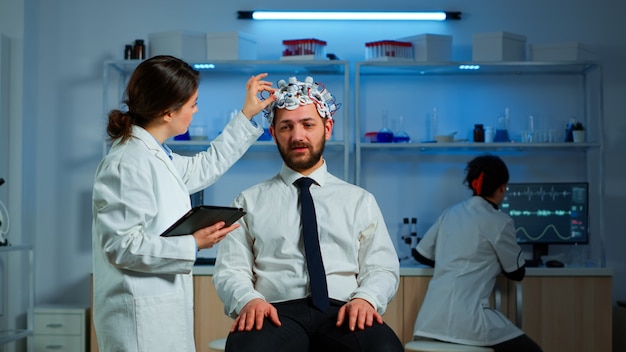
[317,275]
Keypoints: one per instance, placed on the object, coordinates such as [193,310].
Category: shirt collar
[142,134]
[167,150]
[290,176]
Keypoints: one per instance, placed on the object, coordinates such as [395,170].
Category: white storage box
[230,46]
[431,47]
[188,46]
[572,51]
[498,46]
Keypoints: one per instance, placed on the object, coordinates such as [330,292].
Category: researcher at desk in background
[469,245]
[143,290]
[280,298]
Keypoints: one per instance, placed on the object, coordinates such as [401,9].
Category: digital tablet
[203,216]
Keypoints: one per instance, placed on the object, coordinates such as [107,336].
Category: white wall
[66,42]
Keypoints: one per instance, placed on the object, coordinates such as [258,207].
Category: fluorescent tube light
[350,16]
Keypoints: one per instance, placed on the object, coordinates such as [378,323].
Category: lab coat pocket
[161,324]
[492,321]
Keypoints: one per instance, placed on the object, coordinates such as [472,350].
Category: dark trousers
[521,343]
[304,328]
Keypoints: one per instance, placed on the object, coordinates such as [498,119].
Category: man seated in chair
[286,291]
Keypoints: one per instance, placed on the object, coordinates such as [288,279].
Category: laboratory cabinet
[556,307]
[222,92]
[420,176]
[16,295]
[564,313]
[60,328]
[564,309]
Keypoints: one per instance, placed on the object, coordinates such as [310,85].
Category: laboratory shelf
[249,66]
[470,91]
[220,78]
[9,333]
[261,146]
[390,68]
[479,146]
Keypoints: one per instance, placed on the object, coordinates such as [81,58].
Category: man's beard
[302,163]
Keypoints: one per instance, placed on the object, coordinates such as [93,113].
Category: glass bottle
[128,52]
[569,134]
[479,133]
[139,50]
[432,124]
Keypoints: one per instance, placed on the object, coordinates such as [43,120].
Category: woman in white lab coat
[469,245]
[143,292]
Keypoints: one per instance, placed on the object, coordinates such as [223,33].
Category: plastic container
[371,137]
[304,49]
[489,134]
[389,50]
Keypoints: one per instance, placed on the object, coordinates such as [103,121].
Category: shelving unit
[17,263]
[222,84]
[466,93]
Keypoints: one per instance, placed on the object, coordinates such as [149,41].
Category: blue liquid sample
[501,136]
[384,136]
[401,138]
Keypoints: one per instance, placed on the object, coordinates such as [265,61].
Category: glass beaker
[385,135]
[502,131]
[400,136]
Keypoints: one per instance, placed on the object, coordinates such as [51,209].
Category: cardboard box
[572,51]
[498,46]
[431,47]
[230,46]
[188,46]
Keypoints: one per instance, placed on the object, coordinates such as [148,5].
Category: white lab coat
[143,289]
[471,243]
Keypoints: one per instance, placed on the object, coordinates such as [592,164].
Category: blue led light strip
[350,16]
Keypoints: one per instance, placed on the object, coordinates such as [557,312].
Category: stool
[438,346]
[217,345]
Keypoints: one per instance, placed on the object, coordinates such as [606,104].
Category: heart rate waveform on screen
[548,212]
[549,232]
[542,193]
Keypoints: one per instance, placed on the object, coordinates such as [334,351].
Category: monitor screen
[548,213]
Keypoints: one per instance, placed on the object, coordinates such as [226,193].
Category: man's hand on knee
[253,314]
[359,313]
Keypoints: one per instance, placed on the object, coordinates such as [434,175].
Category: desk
[563,309]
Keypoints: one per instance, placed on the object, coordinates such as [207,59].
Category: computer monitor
[548,213]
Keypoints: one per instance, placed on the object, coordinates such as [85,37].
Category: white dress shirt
[471,243]
[264,258]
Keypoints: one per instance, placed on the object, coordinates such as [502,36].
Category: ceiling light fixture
[350,15]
